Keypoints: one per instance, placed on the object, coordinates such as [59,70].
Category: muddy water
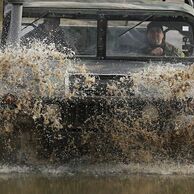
[33,132]
[102,178]
[38,121]
[64,181]
[105,185]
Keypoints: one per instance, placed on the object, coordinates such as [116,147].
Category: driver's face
[155,36]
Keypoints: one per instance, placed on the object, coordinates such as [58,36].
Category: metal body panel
[104,5]
[15,25]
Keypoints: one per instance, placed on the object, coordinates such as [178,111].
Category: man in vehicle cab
[156,42]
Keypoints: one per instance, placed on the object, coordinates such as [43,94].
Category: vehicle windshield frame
[106,15]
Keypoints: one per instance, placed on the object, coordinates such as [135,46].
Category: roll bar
[15,24]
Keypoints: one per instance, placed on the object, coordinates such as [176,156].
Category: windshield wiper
[147,18]
[32,23]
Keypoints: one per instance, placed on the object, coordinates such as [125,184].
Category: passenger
[48,32]
[157,45]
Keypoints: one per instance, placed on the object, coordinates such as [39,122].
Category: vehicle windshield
[123,38]
[149,38]
[78,35]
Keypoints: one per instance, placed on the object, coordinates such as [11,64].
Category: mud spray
[143,117]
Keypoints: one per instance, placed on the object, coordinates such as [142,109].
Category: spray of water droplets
[141,117]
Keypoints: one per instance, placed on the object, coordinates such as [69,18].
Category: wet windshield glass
[78,35]
[124,38]
[133,38]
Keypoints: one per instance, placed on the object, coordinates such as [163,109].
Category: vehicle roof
[112,4]
[105,5]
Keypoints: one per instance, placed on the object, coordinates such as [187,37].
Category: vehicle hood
[116,67]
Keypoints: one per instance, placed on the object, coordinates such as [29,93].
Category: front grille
[99,85]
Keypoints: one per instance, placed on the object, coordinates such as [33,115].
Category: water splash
[141,117]
[165,81]
[40,70]
[101,169]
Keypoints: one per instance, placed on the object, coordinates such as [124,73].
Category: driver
[156,42]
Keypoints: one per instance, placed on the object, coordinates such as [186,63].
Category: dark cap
[154,25]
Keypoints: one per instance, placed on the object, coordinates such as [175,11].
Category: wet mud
[49,115]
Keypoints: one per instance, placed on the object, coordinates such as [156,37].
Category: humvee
[109,38]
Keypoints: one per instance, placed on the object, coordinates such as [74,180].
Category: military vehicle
[110,39]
